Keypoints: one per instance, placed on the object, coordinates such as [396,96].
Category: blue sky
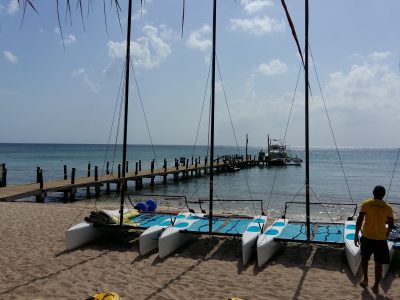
[67,94]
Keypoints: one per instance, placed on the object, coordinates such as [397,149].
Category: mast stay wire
[233,130]
[284,137]
[394,170]
[330,125]
[144,112]
[198,129]
[397,158]
[119,94]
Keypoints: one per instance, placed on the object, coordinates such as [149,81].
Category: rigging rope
[394,170]
[144,114]
[233,129]
[198,129]
[112,126]
[284,137]
[330,126]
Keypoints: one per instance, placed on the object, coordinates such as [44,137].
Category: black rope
[144,114]
[112,126]
[284,137]
[234,133]
[330,126]
[198,130]
[394,170]
[291,106]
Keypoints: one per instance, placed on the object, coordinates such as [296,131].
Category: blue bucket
[141,206]
[151,205]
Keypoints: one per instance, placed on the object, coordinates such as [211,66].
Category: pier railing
[92,178]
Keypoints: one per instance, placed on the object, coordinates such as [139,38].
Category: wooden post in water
[88,175]
[205,164]
[165,170]
[126,167]
[136,168]
[65,178]
[107,172]
[176,175]
[3,174]
[140,165]
[119,176]
[72,193]
[152,171]
[39,179]
[96,178]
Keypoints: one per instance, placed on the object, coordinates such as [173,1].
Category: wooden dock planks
[15,192]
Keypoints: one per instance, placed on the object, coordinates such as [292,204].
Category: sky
[66,91]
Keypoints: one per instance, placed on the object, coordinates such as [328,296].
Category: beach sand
[36,266]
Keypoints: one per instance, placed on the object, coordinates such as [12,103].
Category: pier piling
[108,172]
[88,188]
[3,174]
[72,192]
[96,178]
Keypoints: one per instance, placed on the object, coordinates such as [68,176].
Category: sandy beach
[36,266]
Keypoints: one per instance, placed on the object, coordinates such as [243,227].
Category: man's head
[379,192]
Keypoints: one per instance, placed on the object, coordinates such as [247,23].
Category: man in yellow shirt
[376,213]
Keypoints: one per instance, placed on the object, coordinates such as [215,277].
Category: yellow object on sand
[126,218]
[105,296]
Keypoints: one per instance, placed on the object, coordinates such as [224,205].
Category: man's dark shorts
[379,248]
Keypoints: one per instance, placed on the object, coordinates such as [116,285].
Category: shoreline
[36,266]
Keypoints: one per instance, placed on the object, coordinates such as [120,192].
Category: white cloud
[148,51]
[250,87]
[197,40]
[258,25]
[10,57]
[255,6]
[365,87]
[12,8]
[139,14]
[81,73]
[356,55]
[274,67]
[69,39]
[379,55]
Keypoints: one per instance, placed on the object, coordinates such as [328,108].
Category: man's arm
[359,222]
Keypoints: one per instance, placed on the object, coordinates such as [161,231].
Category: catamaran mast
[306,125]
[127,64]
[212,119]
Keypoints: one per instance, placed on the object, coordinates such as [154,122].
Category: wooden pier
[181,170]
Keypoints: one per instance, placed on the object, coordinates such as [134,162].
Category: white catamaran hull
[148,240]
[81,234]
[250,236]
[266,245]
[85,233]
[172,238]
[353,253]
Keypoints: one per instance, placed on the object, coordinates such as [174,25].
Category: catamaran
[334,233]
[135,217]
[248,228]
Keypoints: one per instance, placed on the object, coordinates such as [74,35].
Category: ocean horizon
[363,168]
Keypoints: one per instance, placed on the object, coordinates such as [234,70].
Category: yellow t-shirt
[377,212]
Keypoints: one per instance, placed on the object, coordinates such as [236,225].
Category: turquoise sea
[364,168]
